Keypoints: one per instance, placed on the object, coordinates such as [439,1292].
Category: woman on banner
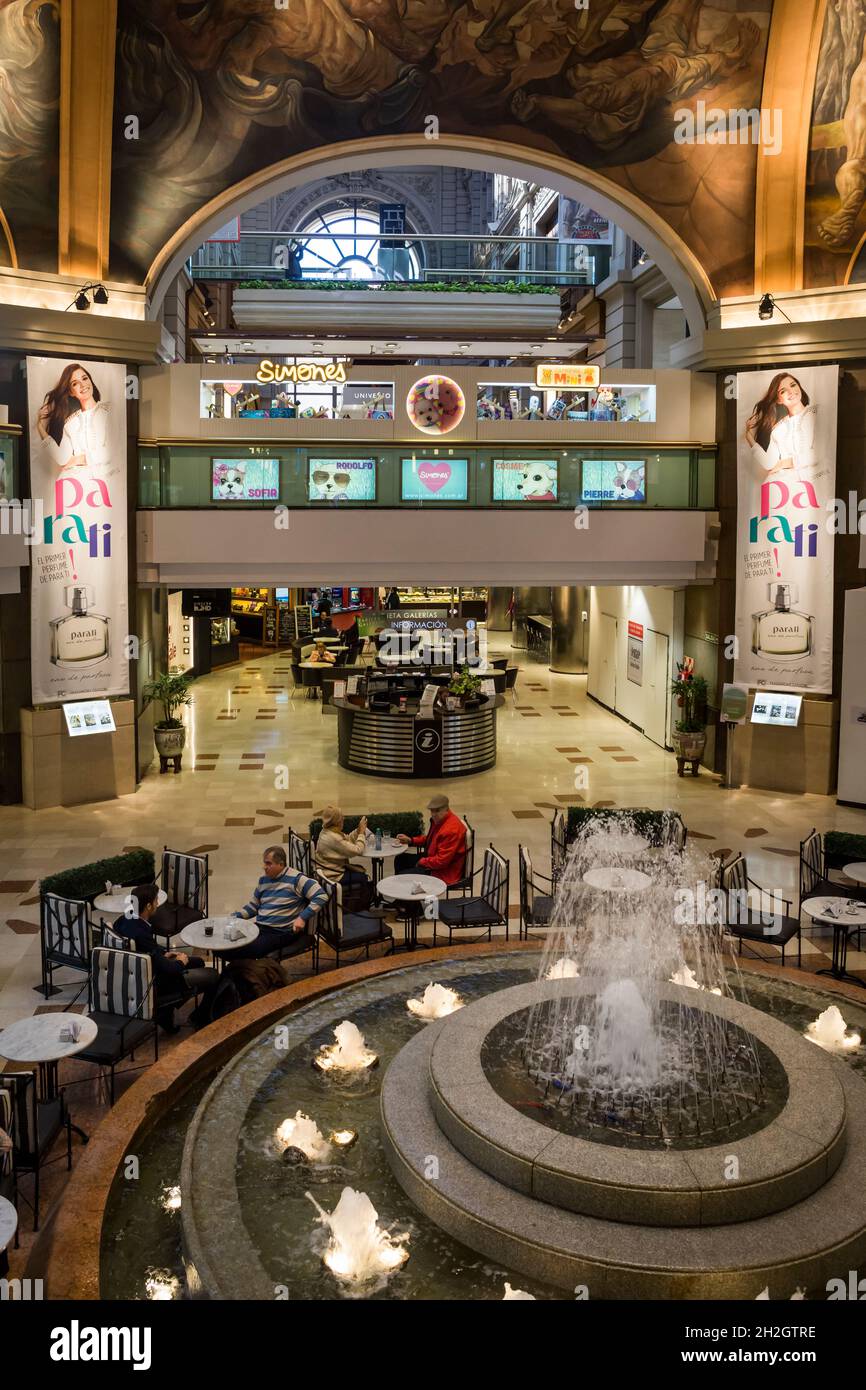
[782,430]
[73,422]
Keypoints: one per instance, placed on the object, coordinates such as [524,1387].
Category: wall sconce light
[82,300]
[768,307]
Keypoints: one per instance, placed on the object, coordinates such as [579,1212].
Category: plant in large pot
[169,733]
[463,689]
[690,738]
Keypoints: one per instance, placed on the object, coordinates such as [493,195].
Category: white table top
[37,1039]
[817,908]
[856,871]
[617,880]
[626,843]
[400,886]
[193,935]
[8,1222]
[317,665]
[389,849]
[115,903]
[326,641]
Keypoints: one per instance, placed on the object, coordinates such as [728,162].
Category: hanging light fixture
[82,298]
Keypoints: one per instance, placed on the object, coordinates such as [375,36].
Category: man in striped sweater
[283,904]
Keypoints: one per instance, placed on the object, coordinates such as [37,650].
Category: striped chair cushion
[65,928]
[121,983]
[299,854]
[184,878]
[18,1110]
[116,943]
[526,878]
[811,869]
[493,877]
[8,1127]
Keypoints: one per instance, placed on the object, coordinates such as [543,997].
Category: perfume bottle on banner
[81,637]
[781,633]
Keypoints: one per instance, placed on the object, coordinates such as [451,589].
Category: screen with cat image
[435,480]
[342,480]
[246,480]
[613,480]
[525,480]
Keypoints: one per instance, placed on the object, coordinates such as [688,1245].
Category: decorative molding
[88,39]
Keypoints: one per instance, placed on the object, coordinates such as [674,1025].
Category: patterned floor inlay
[624,758]
[530,713]
[610,748]
[203,767]
[22,928]
[251,767]
[568,714]
[16,885]
[572,749]
[754,833]
[527,815]
[580,760]
[788,853]
[204,849]
[569,800]
[298,805]
[268,812]
[240,820]
[700,835]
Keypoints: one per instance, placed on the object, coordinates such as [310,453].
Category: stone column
[569,641]
[498,602]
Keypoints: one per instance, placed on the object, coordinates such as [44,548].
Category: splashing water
[626,1052]
[358,1249]
[437,1001]
[348,1053]
[830,1031]
[517,1295]
[304,1134]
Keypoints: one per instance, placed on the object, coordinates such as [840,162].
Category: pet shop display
[435,405]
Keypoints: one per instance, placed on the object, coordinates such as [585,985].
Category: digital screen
[246,480]
[89,717]
[281,595]
[434,480]
[342,480]
[525,480]
[777,709]
[613,480]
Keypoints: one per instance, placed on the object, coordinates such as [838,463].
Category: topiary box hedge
[389,822]
[652,824]
[840,849]
[87,881]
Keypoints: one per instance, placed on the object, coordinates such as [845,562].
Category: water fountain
[303,1134]
[349,1053]
[436,1002]
[359,1250]
[830,1031]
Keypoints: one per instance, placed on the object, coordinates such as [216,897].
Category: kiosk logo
[427,741]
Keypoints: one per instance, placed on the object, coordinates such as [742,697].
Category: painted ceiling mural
[29,130]
[224,88]
[836,179]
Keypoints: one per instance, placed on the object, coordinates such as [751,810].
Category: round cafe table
[37,1041]
[399,887]
[626,843]
[390,849]
[617,880]
[855,871]
[844,915]
[8,1222]
[114,904]
[218,942]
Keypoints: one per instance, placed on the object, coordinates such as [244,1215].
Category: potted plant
[690,738]
[169,733]
[463,689]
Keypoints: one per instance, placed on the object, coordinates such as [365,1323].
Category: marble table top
[856,871]
[401,885]
[194,934]
[8,1222]
[115,903]
[617,880]
[37,1039]
[846,911]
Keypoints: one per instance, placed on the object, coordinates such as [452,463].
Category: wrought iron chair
[343,930]
[815,881]
[536,895]
[35,1125]
[67,938]
[184,877]
[464,885]
[484,911]
[746,925]
[121,1006]
[299,853]
[8,1176]
[558,846]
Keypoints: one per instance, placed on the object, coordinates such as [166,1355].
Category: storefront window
[608,404]
[250,398]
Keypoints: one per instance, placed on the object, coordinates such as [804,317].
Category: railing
[275,257]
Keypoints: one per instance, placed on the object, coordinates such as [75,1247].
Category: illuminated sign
[571,378]
[435,405]
[89,717]
[300,371]
[777,709]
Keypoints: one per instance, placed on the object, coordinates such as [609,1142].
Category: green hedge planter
[652,824]
[389,822]
[841,849]
[403,286]
[139,866]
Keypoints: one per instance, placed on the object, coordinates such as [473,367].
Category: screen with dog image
[246,480]
[435,480]
[613,480]
[342,480]
[525,480]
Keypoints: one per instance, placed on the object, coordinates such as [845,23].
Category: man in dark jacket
[176,975]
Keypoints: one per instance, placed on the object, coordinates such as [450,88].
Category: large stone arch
[681,267]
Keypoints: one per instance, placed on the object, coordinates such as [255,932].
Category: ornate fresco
[836,183]
[29,87]
[223,88]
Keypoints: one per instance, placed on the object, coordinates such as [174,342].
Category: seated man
[443,848]
[283,904]
[174,973]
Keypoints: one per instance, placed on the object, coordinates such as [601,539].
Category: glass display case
[312,399]
[606,404]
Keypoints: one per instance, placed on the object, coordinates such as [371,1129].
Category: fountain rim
[67,1253]
[782,1162]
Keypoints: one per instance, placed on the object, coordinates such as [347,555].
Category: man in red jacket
[443,848]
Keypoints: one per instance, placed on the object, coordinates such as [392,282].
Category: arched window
[344,244]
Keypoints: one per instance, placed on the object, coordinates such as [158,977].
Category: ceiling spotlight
[100,295]
[768,307]
[81,301]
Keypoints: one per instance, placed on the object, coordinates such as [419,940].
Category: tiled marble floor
[215,806]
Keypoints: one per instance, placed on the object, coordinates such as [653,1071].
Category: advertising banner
[434,480]
[342,480]
[79,609]
[245,480]
[525,480]
[613,480]
[786,474]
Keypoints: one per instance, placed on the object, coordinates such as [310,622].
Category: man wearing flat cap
[442,849]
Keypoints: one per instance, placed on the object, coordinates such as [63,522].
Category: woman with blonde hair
[334,849]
